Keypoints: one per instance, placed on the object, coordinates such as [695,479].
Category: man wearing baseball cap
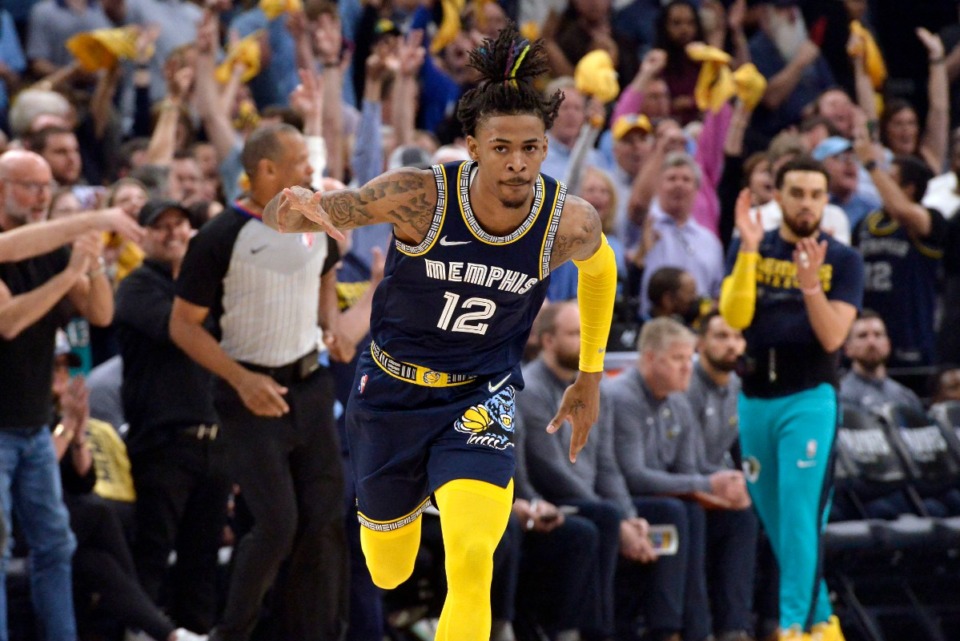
[836,154]
[172,442]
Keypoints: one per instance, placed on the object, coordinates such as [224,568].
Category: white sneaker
[186,635]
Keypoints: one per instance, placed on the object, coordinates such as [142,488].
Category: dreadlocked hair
[508,67]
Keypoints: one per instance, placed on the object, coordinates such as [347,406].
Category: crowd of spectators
[128,125]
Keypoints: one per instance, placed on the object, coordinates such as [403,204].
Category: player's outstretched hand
[581,406]
[299,210]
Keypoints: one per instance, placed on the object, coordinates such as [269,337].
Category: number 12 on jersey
[466,321]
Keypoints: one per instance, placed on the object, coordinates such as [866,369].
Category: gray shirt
[104,383]
[51,24]
[595,476]
[655,441]
[689,246]
[715,408]
[867,393]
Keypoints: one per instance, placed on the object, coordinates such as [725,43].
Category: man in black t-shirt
[30,291]
[262,290]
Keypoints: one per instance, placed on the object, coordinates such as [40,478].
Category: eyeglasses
[32,185]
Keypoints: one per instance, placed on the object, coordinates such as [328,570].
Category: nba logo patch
[811,448]
[363,383]
[307,240]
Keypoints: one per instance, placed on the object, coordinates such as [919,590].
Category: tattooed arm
[405,197]
[578,236]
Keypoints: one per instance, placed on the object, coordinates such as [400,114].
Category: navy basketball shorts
[407,440]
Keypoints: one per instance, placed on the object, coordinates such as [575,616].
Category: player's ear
[473,148]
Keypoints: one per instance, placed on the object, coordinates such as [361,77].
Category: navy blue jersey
[784,355]
[901,275]
[463,300]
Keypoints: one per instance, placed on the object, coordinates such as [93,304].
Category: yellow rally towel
[715,84]
[111,462]
[245,52]
[750,85]
[595,76]
[273,8]
[449,26]
[103,48]
[872,58]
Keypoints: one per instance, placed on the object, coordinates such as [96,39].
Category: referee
[262,290]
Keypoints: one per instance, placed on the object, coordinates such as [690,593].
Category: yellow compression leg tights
[390,555]
[473,517]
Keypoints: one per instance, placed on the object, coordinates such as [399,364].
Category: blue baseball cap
[831,146]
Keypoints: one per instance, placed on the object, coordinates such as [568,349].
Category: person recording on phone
[594,486]
[657,443]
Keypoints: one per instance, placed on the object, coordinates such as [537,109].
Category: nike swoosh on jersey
[451,243]
[805,464]
[257,250]
[493,388]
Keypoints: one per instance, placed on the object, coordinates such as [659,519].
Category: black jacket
[164,390]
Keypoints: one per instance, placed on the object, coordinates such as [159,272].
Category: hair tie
[512,73]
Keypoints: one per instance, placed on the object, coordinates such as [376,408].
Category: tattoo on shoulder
[404,198]
[580,229]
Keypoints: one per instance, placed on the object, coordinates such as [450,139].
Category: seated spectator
[558,556]
[672,292]
[902,247]
[867,385]
[103,570]
[731,534]
[594,485]
[838,159]
[657,443]
[945,384]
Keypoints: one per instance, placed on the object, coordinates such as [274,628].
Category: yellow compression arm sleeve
[738,294]
[596,293]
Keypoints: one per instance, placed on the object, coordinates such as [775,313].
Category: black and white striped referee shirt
[262,287]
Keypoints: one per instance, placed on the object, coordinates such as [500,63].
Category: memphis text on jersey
[493,277]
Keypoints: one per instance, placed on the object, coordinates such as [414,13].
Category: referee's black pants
[290,476]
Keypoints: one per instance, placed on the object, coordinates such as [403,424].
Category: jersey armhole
[546,250]
[438,214]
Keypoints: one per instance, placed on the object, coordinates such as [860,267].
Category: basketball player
[795,292]
[431,412]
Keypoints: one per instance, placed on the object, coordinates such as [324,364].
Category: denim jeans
[30,484]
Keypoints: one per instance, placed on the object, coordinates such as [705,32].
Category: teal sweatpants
[787,447]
